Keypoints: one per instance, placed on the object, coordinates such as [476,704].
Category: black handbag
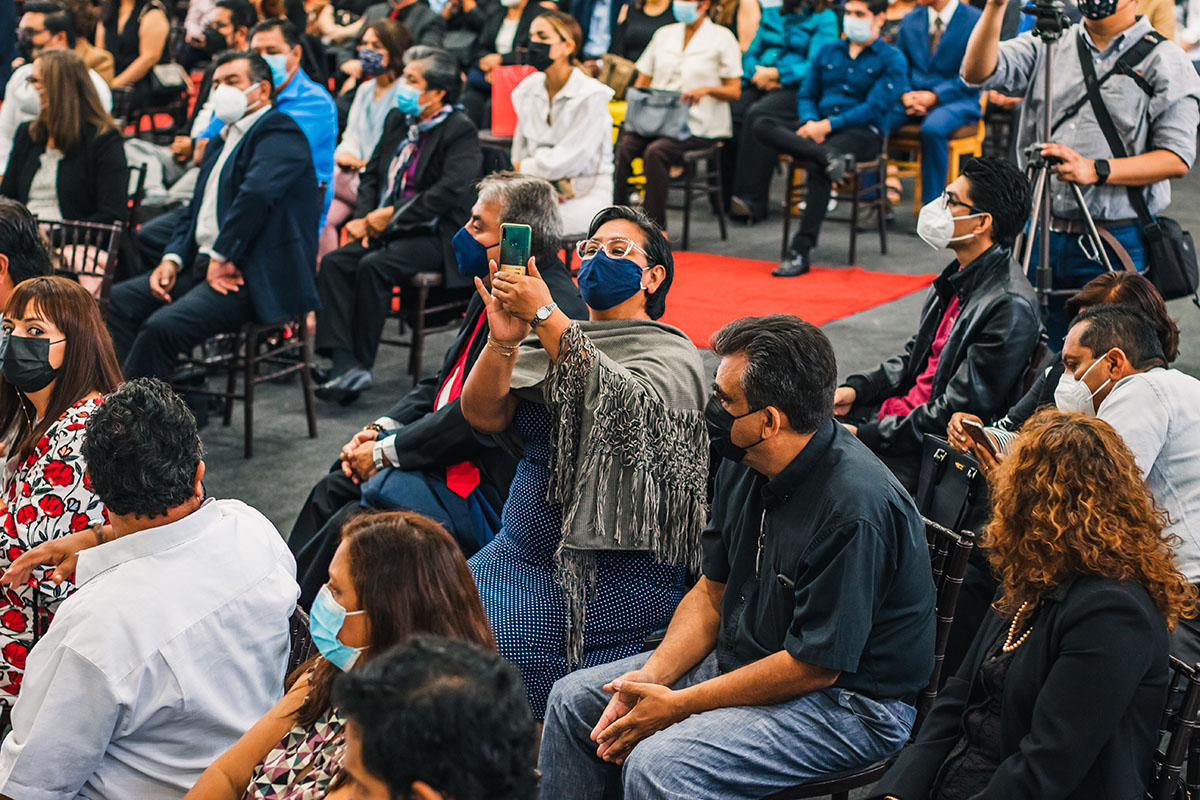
[950,483]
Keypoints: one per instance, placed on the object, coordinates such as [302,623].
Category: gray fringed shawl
[629,449]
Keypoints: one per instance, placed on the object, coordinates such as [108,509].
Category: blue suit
[957,105]
[267,212]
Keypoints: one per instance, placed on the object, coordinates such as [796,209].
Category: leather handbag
[616,73]
[950,483]
[656,114]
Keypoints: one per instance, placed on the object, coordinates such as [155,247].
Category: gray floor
[287,463]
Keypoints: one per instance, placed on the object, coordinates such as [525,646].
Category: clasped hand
[513,301]
[639,708]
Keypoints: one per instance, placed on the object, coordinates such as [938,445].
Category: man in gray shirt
[1155,114]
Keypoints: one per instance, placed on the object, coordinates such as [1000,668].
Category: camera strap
[1108,127]
[1125,66]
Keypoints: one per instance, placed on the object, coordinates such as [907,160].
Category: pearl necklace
[1009,645]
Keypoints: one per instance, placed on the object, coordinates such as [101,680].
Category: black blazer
[491,16]
[1081,707]
[448,167]
[92,181]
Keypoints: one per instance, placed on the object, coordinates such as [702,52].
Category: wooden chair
[948,552]
[1180,720]
[425,306]
[851,191]
[567,243]
[87,252]
[905,150]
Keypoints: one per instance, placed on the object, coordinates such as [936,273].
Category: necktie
[936,36]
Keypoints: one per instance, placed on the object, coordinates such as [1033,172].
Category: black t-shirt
[828,561]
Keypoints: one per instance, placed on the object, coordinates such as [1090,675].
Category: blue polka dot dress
[635,594]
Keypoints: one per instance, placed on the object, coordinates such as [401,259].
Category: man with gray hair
[422,455]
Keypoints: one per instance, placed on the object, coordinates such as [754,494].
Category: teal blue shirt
[790,42]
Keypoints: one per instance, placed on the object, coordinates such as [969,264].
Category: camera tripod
[1049,24]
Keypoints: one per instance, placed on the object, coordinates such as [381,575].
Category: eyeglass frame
[604,246]
[948,200]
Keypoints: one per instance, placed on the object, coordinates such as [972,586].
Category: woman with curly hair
[1061,694]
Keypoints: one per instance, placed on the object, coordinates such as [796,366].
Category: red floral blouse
[46,496]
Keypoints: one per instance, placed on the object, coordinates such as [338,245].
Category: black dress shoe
[345,389]
[740,209]
[794,266]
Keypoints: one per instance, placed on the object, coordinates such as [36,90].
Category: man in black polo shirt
[793,655]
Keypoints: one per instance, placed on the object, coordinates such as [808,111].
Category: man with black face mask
[1150,90]
[814,610]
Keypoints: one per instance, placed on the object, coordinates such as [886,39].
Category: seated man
[177,639]
[1114,368]
[23,252]
[437,718]
[978,327]
[247,248]
[814,612]
[933,37]
[422,455]
[413,194]
[843,110]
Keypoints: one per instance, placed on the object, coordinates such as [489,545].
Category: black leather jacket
[981,366]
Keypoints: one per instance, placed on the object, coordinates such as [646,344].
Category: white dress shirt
[944,15]
[712,56]
[1157,413]
[208,224]
[174,646]
[21,104]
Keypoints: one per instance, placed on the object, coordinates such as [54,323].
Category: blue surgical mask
[471,255]
[857,29]
[686,11]
[408,99]
[278,64]
[325,623]
[605,282]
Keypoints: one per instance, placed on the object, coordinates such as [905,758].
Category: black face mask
[538,56]
[25,362]
[720,429]
[25,45]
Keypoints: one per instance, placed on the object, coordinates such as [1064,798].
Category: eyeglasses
[617,248]
[950,200]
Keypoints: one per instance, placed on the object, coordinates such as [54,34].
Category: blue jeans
[1073,268]
[740,752]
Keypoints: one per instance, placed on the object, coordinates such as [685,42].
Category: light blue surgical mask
[278,64]
[408,99]
[325,623]
[857,29]
[686,11]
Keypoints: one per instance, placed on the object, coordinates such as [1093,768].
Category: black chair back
[137,179]
[302,648]
[87,252]
[1181,717]
[948,555]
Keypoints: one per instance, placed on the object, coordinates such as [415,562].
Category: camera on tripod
[1035,159]
[1049,19]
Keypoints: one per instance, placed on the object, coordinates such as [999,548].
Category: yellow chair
[904,150]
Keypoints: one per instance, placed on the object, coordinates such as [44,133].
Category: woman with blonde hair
[1061,694]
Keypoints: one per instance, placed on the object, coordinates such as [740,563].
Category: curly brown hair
[1070,501]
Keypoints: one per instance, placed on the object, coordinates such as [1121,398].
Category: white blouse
[43,192]
[568,138]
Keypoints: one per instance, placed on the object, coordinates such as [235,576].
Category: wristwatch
[378,456]
[1103,170]
[542,314]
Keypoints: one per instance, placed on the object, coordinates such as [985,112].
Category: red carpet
[711,290]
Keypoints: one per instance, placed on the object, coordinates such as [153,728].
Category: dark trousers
[355,284]
[317,531]
[154,236]
[149,336]
[753,104]
[658,156]
[775,136]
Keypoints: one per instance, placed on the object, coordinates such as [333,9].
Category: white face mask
[1072,394]
[935,224]
[229,102]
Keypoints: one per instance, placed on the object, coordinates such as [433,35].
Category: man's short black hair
[657,251]
[876,7]
[1002,190]
[445,712]
[241,13]
[57,19]
[1122,326]
[22,242]
[789,365]
[260,70]
[142,449]
[291,37]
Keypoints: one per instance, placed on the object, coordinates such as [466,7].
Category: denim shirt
[851,92]
[1157,414]
[789,42]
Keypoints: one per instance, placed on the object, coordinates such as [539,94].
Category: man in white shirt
[49,28]
[176,641]
[1114,368]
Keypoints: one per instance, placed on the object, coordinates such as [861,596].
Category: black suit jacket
[92,181]
[489,19]
[448,167]
[1081,701]
[426,26]
[429,440]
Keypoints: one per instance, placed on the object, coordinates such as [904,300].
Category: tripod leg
[1039,181]
[1093,234]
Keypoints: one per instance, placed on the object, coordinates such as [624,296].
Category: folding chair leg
[306,381]
[789,199]
[716,190]
[249,363]
[231,379]
[854,217]
[418,340]
[689,173]
[881,199]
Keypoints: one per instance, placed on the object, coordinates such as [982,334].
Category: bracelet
[500,349]
[373,426]
[505,345]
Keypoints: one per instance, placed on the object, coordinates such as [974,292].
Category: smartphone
[980,437]
[514,248]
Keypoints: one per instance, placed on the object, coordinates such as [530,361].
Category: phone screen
[514,248]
